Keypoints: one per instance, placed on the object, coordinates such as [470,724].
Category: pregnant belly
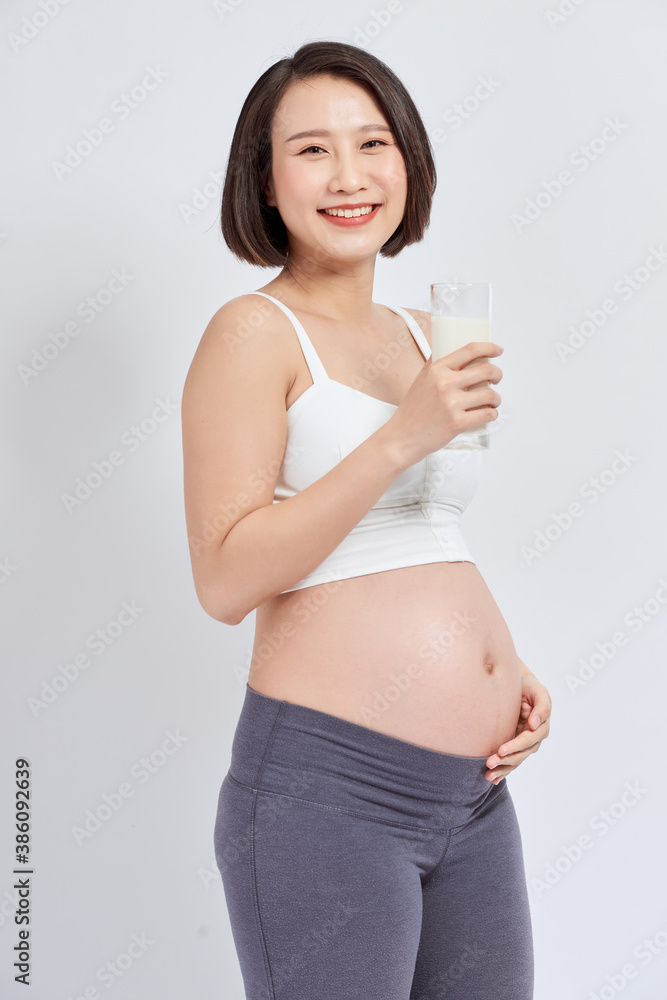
[421,653]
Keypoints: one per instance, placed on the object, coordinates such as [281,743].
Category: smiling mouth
[348,213]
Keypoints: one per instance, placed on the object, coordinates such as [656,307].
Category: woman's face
[351,165]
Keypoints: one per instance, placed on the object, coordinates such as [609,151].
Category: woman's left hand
[533,727]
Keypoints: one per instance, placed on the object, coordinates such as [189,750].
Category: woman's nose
[347,174]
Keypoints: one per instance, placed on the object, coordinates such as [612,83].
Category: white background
[149,869]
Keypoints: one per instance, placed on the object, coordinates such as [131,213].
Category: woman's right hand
[440,403]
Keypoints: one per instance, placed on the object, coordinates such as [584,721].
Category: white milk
[448,333]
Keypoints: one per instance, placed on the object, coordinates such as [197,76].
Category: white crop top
[417,520]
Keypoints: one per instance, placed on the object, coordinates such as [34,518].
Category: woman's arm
[245,549]
[532,728]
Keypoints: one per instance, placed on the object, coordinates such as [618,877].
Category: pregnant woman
[365,834]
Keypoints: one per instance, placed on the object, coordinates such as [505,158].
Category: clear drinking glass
[461,313]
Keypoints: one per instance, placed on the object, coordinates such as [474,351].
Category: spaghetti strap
[415,330]
[317,370]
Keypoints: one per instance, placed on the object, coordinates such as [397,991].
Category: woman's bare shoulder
[248,306]
[245,338]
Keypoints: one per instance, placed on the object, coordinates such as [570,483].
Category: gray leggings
[358,866]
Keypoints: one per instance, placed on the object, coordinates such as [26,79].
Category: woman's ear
[268,194]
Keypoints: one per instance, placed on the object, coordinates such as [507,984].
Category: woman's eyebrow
[373,127]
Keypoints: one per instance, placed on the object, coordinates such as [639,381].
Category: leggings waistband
[290,749]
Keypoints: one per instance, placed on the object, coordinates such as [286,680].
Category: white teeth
[349,213]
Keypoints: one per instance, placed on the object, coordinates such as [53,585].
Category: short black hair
[253,230]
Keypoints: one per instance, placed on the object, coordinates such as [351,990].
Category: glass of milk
[461,313]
